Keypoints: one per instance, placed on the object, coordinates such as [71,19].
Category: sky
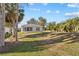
[52,12]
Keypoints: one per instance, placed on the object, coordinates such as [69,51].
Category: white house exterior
[31,28]
[7,30]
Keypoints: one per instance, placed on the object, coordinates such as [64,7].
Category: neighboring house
[7,30]
[31,27]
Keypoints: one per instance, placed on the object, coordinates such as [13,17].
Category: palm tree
[2,18]
[51,26]
[13,16]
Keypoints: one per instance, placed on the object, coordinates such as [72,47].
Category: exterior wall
[7,30]
[21,29]
[33,27]
[41,28]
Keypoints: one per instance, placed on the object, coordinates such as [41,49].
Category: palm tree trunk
[13,28]
[16,24]
[16,29]
[2,19]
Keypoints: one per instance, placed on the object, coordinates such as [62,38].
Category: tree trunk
[14,30]
[15,25]
[2,19]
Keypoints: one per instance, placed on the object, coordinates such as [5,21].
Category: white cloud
[34,9]
[45,4]
[31,4]
[72,14]
[48,11]
[57,11]
[73,5]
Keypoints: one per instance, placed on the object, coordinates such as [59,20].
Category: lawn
[43,44]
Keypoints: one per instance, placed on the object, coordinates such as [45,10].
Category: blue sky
[51,11]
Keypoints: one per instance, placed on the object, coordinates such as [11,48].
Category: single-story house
[7,29]
[31,27]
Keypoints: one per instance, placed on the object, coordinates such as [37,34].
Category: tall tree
[13,16]
[32,21]
[51,26]
[42,22]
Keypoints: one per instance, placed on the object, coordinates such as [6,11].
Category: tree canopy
[70,25]
[10,13]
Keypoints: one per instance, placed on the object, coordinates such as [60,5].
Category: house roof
[31,25]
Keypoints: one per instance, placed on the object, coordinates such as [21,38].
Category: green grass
[45,44]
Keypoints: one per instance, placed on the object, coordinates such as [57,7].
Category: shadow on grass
[36,35]
[32,46]
[23,46]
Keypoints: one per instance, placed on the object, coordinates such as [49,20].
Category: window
[29,28]
[37,29]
